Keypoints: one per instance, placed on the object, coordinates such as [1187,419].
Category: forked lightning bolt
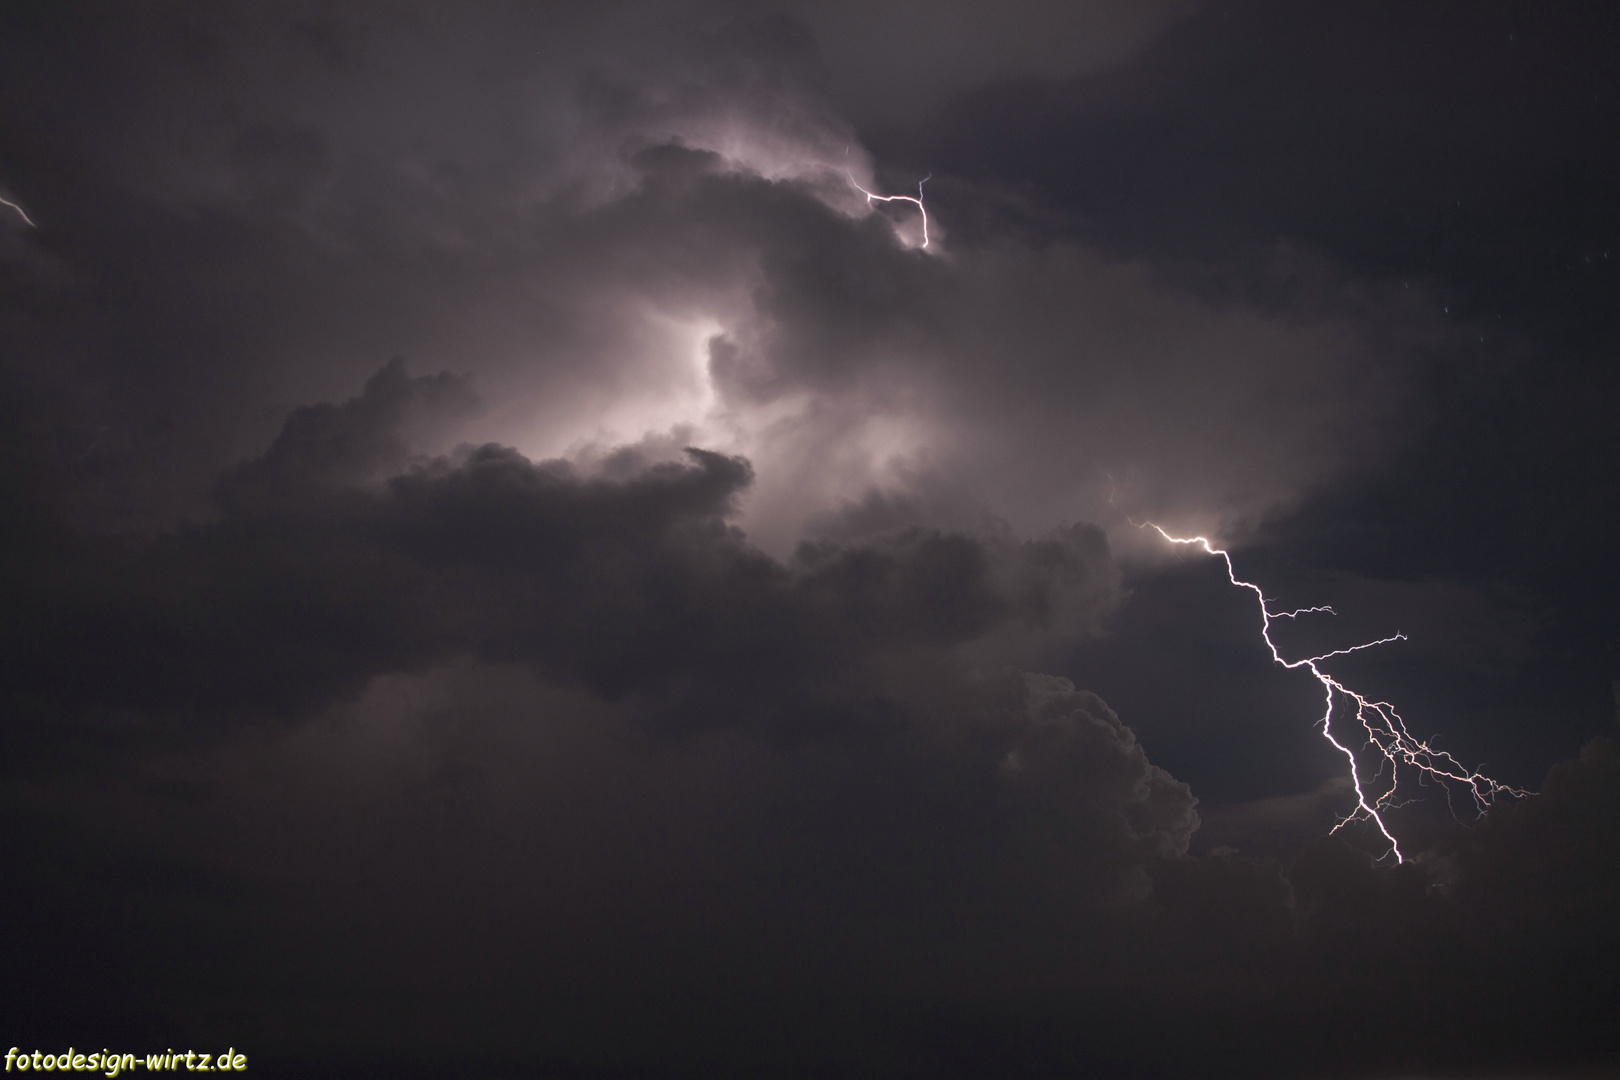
[1386,731]
[872,198]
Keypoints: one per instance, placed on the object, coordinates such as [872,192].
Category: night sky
[512,564]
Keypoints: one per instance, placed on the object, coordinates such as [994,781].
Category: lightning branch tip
[20,213]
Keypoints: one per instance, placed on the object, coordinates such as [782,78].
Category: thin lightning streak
[23,213]
[1303,611]
[1357,648]
[1384,726]
[871,198]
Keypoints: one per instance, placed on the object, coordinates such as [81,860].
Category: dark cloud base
[1231,968]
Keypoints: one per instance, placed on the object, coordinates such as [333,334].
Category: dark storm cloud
[661,693]
[733,907]
[574,221]
[899,63]
[326,565]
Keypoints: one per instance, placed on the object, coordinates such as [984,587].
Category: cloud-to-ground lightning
[1386,731]
[24,214]
[872,197]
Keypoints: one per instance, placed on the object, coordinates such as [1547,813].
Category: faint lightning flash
[1384,726]
[24,214]
[872,198]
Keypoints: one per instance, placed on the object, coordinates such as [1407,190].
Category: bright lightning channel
[1385,729]
[24,214]
[918,200]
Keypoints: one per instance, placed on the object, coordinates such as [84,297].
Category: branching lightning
[1386,731]
[918,200]
[24,214]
